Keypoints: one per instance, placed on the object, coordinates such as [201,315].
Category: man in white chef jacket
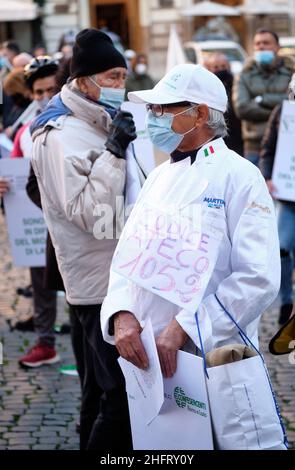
[186,119]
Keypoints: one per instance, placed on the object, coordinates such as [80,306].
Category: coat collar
[85,109]
[282,64]
[210,151]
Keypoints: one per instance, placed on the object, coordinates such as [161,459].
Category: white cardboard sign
[26,226]
[283,175]
[168,255]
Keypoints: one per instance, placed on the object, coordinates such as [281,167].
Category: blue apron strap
[242,334]
[201,344]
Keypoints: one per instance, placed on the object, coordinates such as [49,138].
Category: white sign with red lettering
[169,255]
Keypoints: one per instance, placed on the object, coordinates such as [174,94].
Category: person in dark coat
[286,220]
[139,79]
[218,64]
[16,98]
[52,278]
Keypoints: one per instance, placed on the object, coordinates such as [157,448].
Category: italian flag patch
[209,151]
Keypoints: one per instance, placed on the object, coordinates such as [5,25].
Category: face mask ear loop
[94,82]
[194,127]
[185,111]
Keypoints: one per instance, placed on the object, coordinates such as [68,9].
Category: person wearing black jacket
[218,64]
[52,278]
[286,220]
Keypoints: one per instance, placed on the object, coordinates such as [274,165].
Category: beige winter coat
[75,174]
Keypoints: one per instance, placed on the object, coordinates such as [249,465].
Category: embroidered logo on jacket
[213,202]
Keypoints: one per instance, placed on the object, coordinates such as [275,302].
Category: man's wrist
[115,150]
[114,317]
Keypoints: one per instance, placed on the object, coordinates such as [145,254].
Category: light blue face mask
[42,103]
[264,57]
[161,133]
[4,62]
[113,97]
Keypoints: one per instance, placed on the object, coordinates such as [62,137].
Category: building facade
[144,25]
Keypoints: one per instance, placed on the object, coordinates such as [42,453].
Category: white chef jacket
[246,277]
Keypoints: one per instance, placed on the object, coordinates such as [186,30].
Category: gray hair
[216,121]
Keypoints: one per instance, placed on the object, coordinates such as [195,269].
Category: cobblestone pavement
[39,408]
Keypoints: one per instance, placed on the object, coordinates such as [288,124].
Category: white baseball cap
[185,82]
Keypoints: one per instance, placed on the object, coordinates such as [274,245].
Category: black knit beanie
[94,52]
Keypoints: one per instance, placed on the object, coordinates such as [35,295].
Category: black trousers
[44,308]
[104,420]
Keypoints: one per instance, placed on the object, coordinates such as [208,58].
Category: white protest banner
[168,254]
[175,53]
[283,175]
[26,226]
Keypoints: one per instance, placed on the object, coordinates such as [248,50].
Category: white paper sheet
[146,385]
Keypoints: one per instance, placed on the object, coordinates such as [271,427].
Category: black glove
[122,132]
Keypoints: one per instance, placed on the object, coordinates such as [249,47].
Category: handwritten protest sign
[26,226]
[168,255]
[283,175]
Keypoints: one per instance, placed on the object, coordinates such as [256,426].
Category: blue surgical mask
[264,57]
[113,97]
[4,62]
[161,133]
[42,103]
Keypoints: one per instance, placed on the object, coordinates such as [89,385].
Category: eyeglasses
[158,109]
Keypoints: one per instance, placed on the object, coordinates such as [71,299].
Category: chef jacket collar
[207,150]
